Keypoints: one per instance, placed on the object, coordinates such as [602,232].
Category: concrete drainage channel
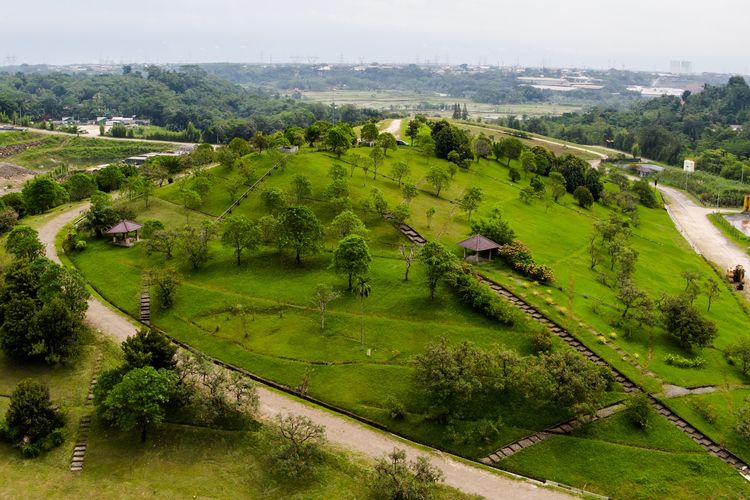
[494,458]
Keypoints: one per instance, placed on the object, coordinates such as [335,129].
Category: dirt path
[394,128]
[706,239]
[341,431]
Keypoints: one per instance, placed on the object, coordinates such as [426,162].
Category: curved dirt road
[340,430]
[394,128]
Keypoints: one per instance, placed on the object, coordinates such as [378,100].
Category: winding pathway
[342,431]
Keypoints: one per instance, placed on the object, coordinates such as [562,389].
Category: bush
[150,226]
[32,424]
[541,340]
[639,411]
[681,362]
[395,408]
[474,294]
[397,479]
[706,411]
[583,196]
[301,448]
[519,257]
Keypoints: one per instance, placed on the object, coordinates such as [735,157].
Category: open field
[429,104]
[280,337]
[76,152]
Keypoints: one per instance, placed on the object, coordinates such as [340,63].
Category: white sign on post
[688,166]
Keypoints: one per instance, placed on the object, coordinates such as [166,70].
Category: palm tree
[362,289]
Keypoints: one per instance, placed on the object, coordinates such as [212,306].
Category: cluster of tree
[42,304]
[155,382]
[186,101]
[455,377]
[458,113]
[669,128]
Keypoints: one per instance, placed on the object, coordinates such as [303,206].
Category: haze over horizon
[637,35]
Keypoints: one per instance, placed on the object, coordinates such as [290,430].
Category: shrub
[705,410]
[300,451]
[541,340]
[472,293]
[681,362]
[395,408]
[395,478]
[32,424]
[583,196]
[519,257]
[639,410]
[150,226]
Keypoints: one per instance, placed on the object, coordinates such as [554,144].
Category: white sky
[636,34]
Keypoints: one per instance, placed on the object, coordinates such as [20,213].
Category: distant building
[680,67]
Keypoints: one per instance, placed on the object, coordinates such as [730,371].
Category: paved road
[692,221]
[341,431]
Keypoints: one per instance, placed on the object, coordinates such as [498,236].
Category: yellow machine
[746,204]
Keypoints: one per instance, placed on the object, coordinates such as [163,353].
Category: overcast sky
[635,34]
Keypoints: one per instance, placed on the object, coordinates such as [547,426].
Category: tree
[635,151]
[23,243]
[80,186]
[509,148]
[557,185]
[630,296]
[190,201]
[397,479]
[42,193]
[347,223]
[240,234]
[400,213]
[300,188]
[739,353]
[438,261]
[407,253]
[399,170]
[352,257]
[387,141]
[339,139]
[568,379]
[273,199]
[409,191]
[149,348]
[685,323]
[482,147]
[323,295]
[302,440]
[412,129]
[451,375]
[312,134]
[363,289]
[430,213]
[439,178]
[138,400]
[369,133]
[299,228]
[376,154]
[32,423]
[470,200]
[495,228]
[528,161]
[514,175]
[583,197]
[110,178]
[337,172]
[711,290]
[162,241]
[165,280]
[56,331]
[195,242]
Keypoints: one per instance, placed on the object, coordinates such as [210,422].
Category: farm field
[362,360]
[429,104]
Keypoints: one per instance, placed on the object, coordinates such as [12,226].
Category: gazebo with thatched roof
[121,233]
[478,244]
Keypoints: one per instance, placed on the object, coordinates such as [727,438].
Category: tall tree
[439,177]
[387,141]
[324,295]
[470,200]
[363,289]
[369,133]
[23,243]
[438,262]
[240,234]
[377,156]
[352,257]
[399,170]
[300,188]
[299,228]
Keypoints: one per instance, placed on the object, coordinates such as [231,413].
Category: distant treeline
[172,99]
[712,126]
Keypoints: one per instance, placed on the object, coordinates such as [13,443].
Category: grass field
[427,103]
[178,461]
[280,337]
[76,152]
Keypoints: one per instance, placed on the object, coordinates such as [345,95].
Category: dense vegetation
[171,99]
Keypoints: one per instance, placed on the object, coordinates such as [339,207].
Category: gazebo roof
[479,243]
[123,227]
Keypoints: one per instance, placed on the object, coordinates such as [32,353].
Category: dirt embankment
[14,149]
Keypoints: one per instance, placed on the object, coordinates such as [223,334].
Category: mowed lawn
[279,335]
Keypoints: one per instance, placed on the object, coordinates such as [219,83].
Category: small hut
[478,244]
[124,233]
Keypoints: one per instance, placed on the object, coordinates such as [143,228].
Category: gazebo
[121,233]
[478,244]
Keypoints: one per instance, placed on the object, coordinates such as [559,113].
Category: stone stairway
[79,450]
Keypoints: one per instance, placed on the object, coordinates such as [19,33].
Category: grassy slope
[81,152]
[207,296]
